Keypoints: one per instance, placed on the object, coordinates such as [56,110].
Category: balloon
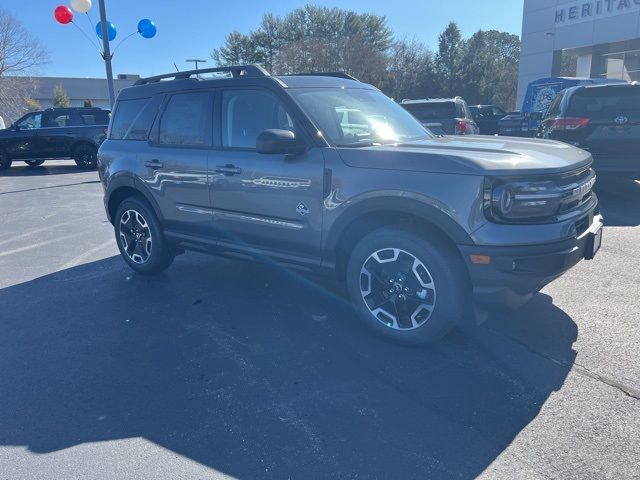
[63,14]
[147,28]
[81,6]
[111,31]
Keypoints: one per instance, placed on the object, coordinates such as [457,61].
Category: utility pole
[196,61]
[107,53]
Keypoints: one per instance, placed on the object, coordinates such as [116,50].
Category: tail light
[461,127]
[570,123]
[106,131]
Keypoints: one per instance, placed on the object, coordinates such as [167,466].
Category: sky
[192,28]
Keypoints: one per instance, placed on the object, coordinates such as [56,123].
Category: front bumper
[515,274]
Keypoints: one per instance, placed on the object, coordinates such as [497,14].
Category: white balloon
[81,6]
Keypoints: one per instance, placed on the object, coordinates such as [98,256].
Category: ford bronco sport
[241,163]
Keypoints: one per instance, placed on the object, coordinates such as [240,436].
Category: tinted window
[431,111]
[184,120]
[94,118]
[126,113]
[33,120]
[55,120]
[247,113]
[606,103]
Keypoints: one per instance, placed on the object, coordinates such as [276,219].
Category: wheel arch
[364,217]
[124,187]
[81,142]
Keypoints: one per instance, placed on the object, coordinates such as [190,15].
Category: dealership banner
[588,10]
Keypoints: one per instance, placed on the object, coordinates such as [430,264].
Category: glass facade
[621,65]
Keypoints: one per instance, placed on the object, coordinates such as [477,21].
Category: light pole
[106,53]
[196,61]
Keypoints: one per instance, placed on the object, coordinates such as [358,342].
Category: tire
[86,156]
[5,161]
[34,163]
[140,239]
[428,279]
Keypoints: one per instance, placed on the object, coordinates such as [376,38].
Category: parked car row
[55,133]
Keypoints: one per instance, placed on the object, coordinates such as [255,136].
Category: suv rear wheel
[140,239]
[408,288]
[85,156]
[5,161]
[34,163]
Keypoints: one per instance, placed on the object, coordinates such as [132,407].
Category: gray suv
[327,174]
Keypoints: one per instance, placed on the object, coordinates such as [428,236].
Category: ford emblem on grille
[585,188]
[621,120]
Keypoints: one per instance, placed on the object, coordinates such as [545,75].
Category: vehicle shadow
[619,200]
[259,373]
[20,169]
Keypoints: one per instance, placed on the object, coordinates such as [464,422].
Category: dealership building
[579,38]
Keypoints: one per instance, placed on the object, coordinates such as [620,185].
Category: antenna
[196,61]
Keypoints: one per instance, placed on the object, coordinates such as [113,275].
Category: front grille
[577,188]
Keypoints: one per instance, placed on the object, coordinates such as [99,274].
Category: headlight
[522,201]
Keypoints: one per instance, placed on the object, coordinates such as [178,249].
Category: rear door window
[56,120]
[184,121]
[431,111]
[606,103]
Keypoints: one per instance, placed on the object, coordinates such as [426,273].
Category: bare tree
[20,54]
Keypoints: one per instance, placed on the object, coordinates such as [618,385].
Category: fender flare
[417,207]
[128,181]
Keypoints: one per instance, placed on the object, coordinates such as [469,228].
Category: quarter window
[184,120]
[247,113]
[126,114]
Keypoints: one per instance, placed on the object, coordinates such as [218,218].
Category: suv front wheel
[408,288]
[140,239]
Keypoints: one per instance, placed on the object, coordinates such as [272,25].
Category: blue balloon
[147,28]
[111,31]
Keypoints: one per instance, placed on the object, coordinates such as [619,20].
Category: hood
[472,155]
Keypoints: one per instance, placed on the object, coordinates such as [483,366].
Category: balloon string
[122,41]
[87,37]
[90,20]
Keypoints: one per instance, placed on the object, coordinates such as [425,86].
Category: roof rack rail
[236,71]
[325,74]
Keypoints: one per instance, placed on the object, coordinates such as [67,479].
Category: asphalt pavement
[222,368]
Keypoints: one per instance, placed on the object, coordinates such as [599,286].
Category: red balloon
[63,14]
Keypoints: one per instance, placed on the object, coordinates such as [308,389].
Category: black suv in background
[55,133]
[325,173]
[487,117]
[443,116]
[602,119]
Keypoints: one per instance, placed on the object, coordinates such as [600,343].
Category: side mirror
[537,116]
[275,141]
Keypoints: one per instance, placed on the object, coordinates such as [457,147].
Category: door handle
[228,169]
[153,164]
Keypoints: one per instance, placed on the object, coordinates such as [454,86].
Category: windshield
[358,117]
